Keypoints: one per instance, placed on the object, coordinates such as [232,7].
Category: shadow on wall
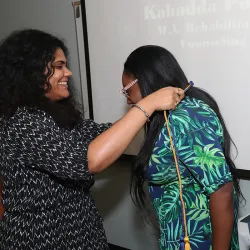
[125,225]
[111,187]
[244,207]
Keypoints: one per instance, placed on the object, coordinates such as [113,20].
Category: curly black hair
[24,59]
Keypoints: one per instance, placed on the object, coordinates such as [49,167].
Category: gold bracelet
[143,110]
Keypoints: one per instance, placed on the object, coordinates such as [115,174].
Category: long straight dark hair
[155,68]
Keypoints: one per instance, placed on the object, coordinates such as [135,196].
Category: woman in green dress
[210,187]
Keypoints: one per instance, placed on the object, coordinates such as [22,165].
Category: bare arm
[108,146]
[222,216]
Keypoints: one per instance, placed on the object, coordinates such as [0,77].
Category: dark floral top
[199,136]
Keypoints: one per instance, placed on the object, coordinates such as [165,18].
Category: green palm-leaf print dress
[199,136]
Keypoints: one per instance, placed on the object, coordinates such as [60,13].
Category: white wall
[123,223]
[53,16]
[244,208]
[210,40]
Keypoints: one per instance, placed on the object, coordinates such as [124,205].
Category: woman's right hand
[167,98]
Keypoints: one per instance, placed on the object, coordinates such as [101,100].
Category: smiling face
[59,78]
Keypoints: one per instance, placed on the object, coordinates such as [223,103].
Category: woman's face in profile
[134,93]
[59,78]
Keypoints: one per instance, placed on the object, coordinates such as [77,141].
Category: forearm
[222,216]
[108,146]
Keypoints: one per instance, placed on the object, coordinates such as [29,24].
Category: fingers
[174,105]
[175,102]
[179,95]
[178,99]
[180,92]
[168,98]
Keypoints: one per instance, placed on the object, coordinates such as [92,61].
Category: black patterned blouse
[46,190]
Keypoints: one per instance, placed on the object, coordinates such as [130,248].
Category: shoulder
[192,115]
[30,118]
[195,109]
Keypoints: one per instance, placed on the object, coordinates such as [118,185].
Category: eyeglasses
[124,90]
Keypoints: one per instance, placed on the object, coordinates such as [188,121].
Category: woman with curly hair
[49,153]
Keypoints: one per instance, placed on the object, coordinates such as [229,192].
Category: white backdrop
[209,38]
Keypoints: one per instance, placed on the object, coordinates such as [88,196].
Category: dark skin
[222,216]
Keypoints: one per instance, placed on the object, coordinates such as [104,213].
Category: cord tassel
[187,244]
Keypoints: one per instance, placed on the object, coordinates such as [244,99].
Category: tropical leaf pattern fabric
[198,136]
